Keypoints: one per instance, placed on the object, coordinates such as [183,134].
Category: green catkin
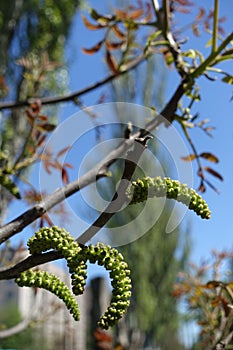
[77,257]
[50,282]
[112,260]
[147,187]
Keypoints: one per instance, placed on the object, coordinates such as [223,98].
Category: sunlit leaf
[169,59]
[209,156]
[94,14]
[209,43]
[213,172]
[230,284]
[189,158]
[228,79]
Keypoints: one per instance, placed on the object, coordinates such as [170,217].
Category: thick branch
[119,198]
[60,194]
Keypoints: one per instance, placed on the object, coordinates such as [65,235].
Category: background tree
[33,36]
[23,340]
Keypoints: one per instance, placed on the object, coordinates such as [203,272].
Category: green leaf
[228,79]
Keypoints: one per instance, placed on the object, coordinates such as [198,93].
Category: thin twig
[74,95]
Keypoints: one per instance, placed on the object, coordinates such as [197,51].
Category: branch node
[144,140]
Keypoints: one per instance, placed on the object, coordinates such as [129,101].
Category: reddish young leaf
[183,10]
[121,14]
[209,156]
[47,127]
[68,165]
[200,174]
[91,26]
[36,106]
[101,335]
[201,13]
[201,187]
[63,151]
[136,14]
[112,64]
[189,158]
[195,29]
[93,49]
[41,141]
[119,34]
[213,172]
[113,45]
[64,175]
[30,115]
[43,118]
[31,150]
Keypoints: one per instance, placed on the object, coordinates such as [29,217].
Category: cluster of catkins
[77,257]
[148,187]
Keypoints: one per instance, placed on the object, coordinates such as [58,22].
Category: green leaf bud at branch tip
[77,257]
[147,187]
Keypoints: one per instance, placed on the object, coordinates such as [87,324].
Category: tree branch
[15,226]
[119,198]
[74,95]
